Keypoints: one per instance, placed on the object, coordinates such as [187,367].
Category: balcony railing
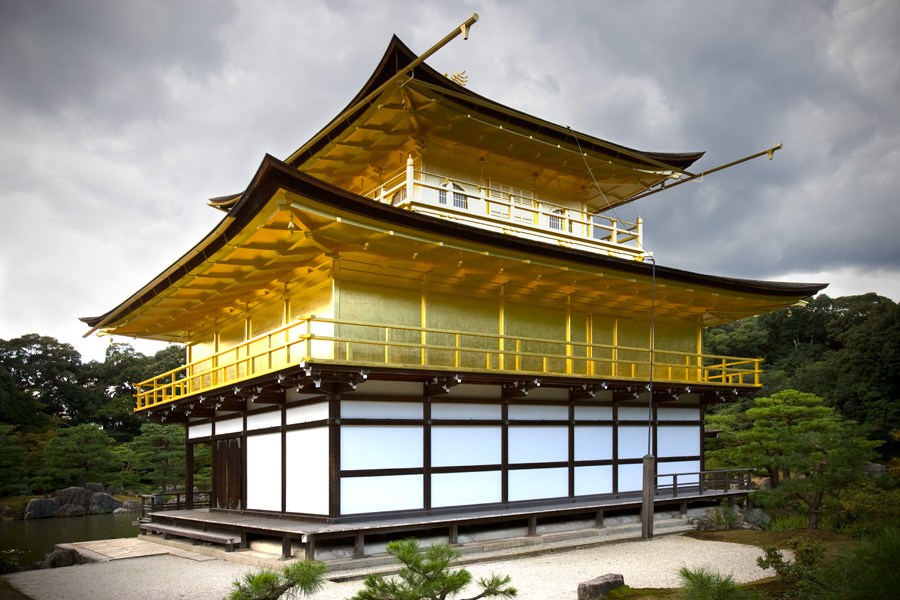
[324,340]
[700,482]
[510,211]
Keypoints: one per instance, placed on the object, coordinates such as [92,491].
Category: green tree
[19,408]
[12,461]
[807,449]
[113,383]
[742,338]
[49,371]
[159,453]
[302,578]
[79,454]
[868,362]
[869,508]
[34,444]
[759,438]
[426,575]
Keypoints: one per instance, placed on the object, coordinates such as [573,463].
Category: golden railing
[509,211]
[324,340]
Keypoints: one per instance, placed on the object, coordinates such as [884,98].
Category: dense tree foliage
[80,454]
[12,461]
[53,406]
[159,453]
[806,449]
[845,350]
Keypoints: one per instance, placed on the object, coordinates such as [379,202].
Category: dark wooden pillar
[649,489]
[189,475]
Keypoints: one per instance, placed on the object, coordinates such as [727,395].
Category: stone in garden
[61,558]
[74,495]
[874,469]
[702,523]
[94,487]
[754,516]
[42,508]
[71,510]
[598,587]
[132,505]
[103,503]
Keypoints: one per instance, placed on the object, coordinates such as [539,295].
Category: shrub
[803,571]
[788,523]
[302,578]
[862,573]
[426,575]
[706,584]
[723,517]
[868,509]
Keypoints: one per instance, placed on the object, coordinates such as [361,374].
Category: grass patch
[771,587]
[778,539]
[643,593]
[788,523]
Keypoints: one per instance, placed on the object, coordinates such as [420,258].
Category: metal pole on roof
[462,29]
[770,152]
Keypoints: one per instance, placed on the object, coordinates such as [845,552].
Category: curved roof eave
[398,55]
[274,175]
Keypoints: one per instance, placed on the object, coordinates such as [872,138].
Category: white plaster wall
[199,430]
[307,471]
[230,425]
[381,410]
[381,447]
[456,489]
[538,413]
[665,413]
[634,413]
[631,478]
[270,418]
[632,441]
[264,472]
[376,494]
[593,413]
[538,444]
[307,413]
[465,411]
[593,480]
[457,446]
[532,484]
[678,440]
[593,443]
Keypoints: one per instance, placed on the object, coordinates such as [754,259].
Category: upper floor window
[459,199]
[557,222]
[399,197]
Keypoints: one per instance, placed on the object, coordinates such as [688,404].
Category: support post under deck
[647,497]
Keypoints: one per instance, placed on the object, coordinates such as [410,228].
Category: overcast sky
[119,119]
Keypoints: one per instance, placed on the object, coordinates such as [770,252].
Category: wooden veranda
[236,528]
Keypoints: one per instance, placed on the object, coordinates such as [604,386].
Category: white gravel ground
[547,577]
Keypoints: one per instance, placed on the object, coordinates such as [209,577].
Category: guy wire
[652,299]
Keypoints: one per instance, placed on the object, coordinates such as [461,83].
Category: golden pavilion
[428,314]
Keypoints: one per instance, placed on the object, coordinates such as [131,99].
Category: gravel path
[547,577]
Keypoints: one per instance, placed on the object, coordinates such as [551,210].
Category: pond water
[36,537]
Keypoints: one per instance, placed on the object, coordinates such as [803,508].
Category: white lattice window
[459,199]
